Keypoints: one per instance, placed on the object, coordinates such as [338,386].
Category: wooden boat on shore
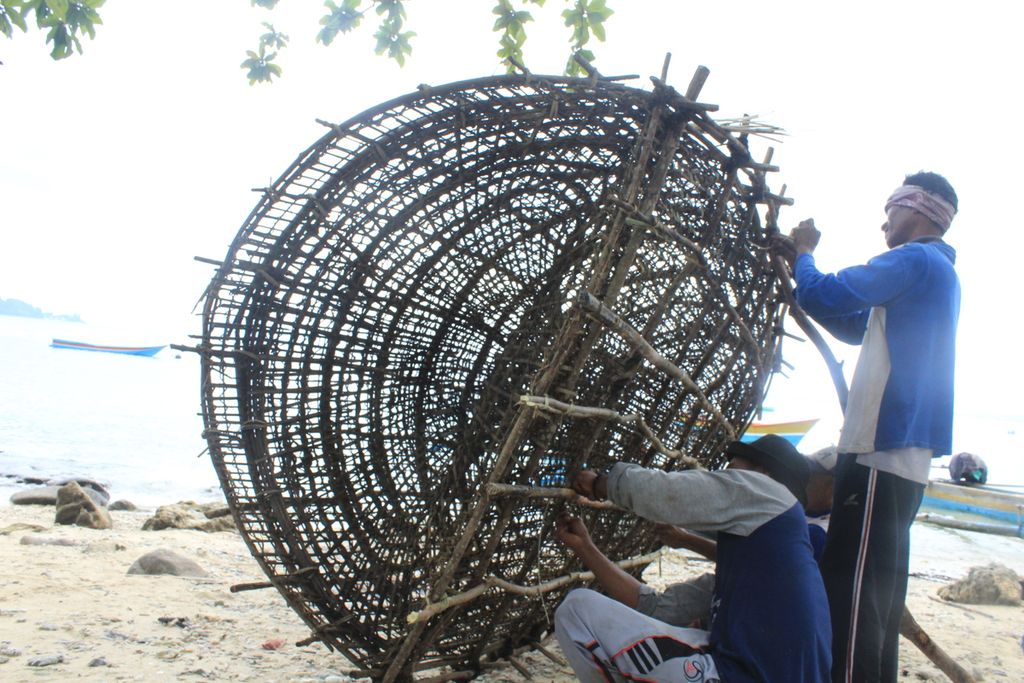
[790,431]
[974,507]
[124,350]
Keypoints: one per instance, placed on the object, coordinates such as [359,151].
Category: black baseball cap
[783,461]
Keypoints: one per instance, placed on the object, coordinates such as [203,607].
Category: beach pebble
[163,561]
[36,539]
[10,652]
[47,627]
[272,644]
[104,547]
[47,495]
[99,661]
[994,584]
[46,661]
[74,506]
[122,505]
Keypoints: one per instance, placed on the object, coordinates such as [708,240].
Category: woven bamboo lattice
[447,305]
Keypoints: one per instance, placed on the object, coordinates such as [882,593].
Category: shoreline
[77,601]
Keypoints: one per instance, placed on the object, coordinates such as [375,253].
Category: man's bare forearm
[613,579]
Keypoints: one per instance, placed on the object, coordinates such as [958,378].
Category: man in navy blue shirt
[769,617]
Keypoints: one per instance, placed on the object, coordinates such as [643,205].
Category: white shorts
[607,641]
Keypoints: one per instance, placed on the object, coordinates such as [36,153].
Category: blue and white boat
[123,350]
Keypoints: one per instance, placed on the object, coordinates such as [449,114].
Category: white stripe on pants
[607,641]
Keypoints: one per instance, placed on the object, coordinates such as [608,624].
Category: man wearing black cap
[769,612]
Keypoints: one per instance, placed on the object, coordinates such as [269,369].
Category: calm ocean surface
[133,424]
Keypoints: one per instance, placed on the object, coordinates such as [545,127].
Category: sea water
[133,423]
[129,422]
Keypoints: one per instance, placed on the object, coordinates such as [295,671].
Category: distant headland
[24,310]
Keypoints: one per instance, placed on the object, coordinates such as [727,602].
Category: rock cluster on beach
[993,584]
[189,515]
[84,502]
[47,495]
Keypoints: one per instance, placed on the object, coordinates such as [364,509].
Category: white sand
[77,601]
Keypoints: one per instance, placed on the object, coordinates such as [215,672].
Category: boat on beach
[792,432]
[975,507]
[123,350]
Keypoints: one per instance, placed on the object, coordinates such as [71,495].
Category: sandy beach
[75,604]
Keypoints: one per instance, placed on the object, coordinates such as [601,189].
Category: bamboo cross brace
[538,590]
[555,406]
[716,287]
[548,493]
[630,335]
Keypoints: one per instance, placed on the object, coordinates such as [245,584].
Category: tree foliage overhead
[66,20]
[62,20]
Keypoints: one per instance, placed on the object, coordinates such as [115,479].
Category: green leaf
[18,18]
[273,38]
[266,4]
[58,7]
[340,20]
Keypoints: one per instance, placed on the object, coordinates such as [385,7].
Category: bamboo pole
[547,493]
[912,631]
[538,590]
[556,406]
[624,330]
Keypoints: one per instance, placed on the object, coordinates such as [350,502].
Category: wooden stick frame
[455,300]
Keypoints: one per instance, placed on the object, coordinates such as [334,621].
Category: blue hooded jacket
[918,288]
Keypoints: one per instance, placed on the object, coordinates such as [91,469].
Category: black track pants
[865,565]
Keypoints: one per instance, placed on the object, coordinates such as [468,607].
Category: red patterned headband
[932,206]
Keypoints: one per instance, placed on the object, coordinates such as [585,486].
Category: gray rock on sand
[122,505]
[47,495]
[994,584]
[189,515]
[87,484]
[39,539]
[74,506]
[163,561]
[46,661]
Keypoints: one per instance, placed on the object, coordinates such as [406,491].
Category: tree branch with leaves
[66,20]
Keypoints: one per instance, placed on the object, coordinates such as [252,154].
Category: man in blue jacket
[902,307]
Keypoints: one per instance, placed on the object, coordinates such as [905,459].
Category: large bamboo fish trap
[446,306]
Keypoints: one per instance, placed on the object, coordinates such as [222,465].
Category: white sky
[118,166]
